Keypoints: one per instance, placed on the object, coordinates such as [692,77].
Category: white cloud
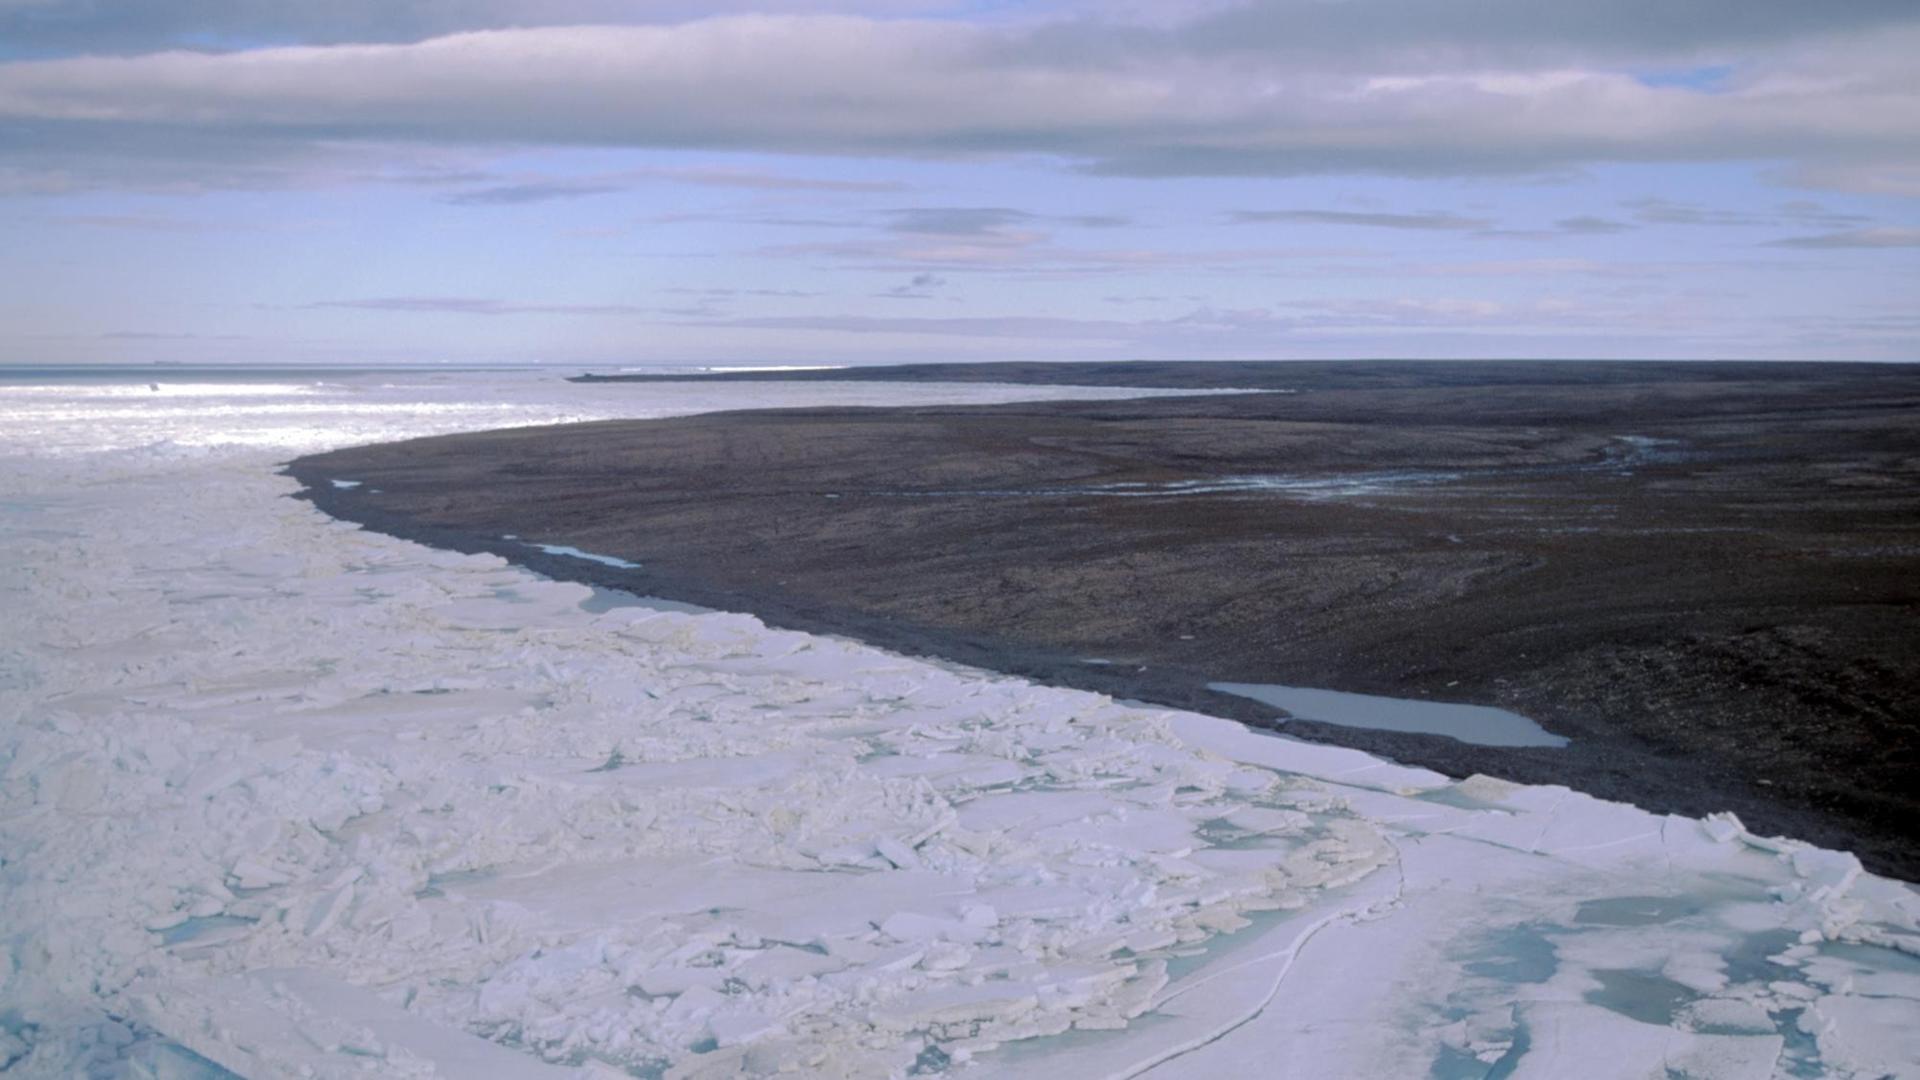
[98,26]
[1148,102]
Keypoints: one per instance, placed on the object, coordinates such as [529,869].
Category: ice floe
[287,798]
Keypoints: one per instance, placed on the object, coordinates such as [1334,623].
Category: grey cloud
[1871,176]
[522,194]
[121,25]
[1855,238]
[547,190]
[1423,221]
[1587,223]
[1803,212]
[765,181]
[434,177]
[1497,29]
[1149,103]
[50,156]
[1810,213]
[956,220]
[989,223]
[1298,28]
[918,287]
[738,218]
[1655,211]
[96,26]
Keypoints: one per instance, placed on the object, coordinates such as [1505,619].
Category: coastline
[380,748]
[1709,748]
[1284,375]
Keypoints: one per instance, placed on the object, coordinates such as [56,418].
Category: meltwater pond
[1482,725]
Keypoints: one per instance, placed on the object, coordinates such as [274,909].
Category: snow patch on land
[575,553]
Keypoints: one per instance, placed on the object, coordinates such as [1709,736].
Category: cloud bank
[1401,87]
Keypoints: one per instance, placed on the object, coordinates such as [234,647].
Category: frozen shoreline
[290,794]
[1720,622]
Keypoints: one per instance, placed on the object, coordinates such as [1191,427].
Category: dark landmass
[1706,575]
[1320,375]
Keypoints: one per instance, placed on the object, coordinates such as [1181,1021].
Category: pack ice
[285,798]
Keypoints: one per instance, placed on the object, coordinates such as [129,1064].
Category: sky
[605,183]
